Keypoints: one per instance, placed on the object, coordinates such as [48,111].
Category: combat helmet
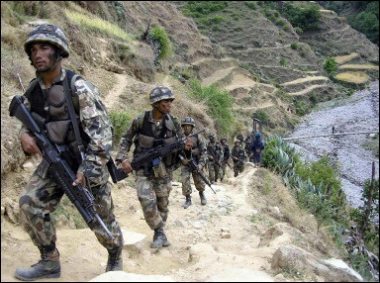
[257,135]
[48,33]
[211,135]
[160,93]
[188,121]
[223,138]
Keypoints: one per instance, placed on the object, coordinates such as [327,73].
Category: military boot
[115,260]
[159,239]
[203,198]
[188,202]
[48,267]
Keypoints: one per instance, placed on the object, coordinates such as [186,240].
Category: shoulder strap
[31,86]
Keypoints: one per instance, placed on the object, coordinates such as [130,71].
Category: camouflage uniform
[213,167]
[226,156]
[42,195]
[50,109]
[200,158]
[153,192]
[239,157]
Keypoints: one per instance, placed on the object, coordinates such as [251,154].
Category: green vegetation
[219,102]
[294,45]
[317,188]
[94,23]
[197,9]
[330,66]
[366,20]
[159,34]
[303,15]
[120,121]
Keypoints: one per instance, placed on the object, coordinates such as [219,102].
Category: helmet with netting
[211,135]
[188,121]
[223,138]
[160,93]
[48,33]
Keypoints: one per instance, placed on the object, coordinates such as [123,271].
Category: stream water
[354,114]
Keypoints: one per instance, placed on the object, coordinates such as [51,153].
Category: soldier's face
[164,106]
[187,129]
[43,56]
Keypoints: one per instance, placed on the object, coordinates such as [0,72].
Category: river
[357,113]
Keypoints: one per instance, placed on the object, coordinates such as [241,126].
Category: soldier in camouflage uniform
[238,157]
[226,156]
[214,164]
[150,129]
[199,154]
[46,46]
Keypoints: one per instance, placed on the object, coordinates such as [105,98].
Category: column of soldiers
[76,114]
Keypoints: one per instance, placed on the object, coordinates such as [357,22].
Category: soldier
[238,157]
[199,154]
[247,147]
[215,157]
[46,46]
[153,184]
[226,156]
[257,147]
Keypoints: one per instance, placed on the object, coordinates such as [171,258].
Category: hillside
[245,223]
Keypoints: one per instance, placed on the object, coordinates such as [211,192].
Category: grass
[345,58]
[94,22]
[352,77]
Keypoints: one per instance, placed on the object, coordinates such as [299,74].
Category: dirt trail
[223,226]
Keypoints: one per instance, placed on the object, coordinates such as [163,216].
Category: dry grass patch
[345,58]
[359,67]
[353,77]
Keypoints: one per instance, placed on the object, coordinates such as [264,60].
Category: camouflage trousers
[238,168]
[214,171]
[42,196]
[186,173]
[153,194]
[223,171]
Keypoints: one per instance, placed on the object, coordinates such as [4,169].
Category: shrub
[159,34]
[120,121]
[330,66]
[283,62]
[218,101]
[294,45]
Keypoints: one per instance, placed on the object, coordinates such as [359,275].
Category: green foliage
[262,115]
[315,186]
[283,62]
[367,21]
[303,15]
[219,102]
[358,215]
[280,22]
[159,34]
[298,30]
[251,5]
[294,45]
[199,9]
[330,66]
[120,121]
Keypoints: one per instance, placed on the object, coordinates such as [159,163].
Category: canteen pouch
[159,168]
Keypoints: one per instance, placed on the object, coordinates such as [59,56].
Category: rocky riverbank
[354,116]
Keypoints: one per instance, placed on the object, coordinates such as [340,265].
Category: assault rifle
[194,166]
[152,156]
[212,152]
[80,196]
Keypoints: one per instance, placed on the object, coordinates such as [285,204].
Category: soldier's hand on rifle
[80,180]
[200,167]
[210,157]
[185,161]
[188,144]
[127,166]
[29,144]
